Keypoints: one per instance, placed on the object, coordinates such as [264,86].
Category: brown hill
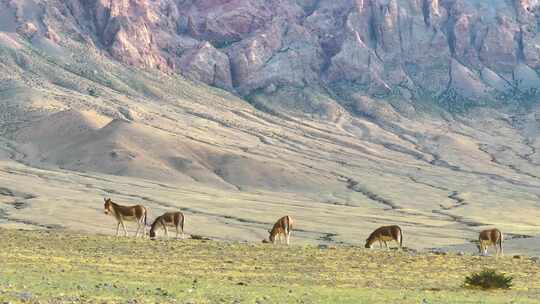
[87,141]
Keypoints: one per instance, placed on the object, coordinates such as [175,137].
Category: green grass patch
[58,267]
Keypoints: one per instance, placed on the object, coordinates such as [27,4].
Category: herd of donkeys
[281,230]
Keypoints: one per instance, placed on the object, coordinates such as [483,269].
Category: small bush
[489,279]
[92,91]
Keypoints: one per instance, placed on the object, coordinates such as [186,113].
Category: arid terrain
[346,115]
[86,112]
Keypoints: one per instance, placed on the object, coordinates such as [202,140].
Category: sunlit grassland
[60,267]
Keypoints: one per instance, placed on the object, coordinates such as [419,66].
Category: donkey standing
[490,237]
[135,213]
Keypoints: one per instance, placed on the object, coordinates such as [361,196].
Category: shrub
[92,91]
[489,279]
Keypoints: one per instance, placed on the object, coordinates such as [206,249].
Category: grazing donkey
[490,237]
[175,219]
[282,227]
[135,213]
[385,234]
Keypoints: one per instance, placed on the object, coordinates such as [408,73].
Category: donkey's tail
[145,217]
[289,224]
[500,242]
[400,238]
[182,223]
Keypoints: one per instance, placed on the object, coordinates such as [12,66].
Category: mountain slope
[96,101]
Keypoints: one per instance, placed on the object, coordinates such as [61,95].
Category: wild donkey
[282,227]
[490,237]
[135,213]
[175,219]
[385,234]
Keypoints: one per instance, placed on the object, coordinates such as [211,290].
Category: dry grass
[60,267]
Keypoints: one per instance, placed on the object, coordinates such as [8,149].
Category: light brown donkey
[175,219]
[385,234]
[282,227]
[135,213]
[490,237]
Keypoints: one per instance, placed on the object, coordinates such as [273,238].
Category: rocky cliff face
[455,51]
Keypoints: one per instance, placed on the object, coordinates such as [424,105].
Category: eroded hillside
[80,120]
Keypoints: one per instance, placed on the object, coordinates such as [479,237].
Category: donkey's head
[271,236]
[369,242]
[478,246]
[152,233]
[107,206]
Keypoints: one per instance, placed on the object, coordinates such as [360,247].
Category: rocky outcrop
[27,30]
[206,64]
[249,57]
[467,82]
[487,49]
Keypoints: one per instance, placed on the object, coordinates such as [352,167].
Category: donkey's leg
[179,231]
[144,230]
[138,228]
[287,236]
[166,231]
[481,249]
[124,226]
[143,227]
[117,227]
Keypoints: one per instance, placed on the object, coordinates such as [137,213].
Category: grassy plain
[59,267]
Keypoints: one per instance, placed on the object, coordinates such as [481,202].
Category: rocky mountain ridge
[456,52]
